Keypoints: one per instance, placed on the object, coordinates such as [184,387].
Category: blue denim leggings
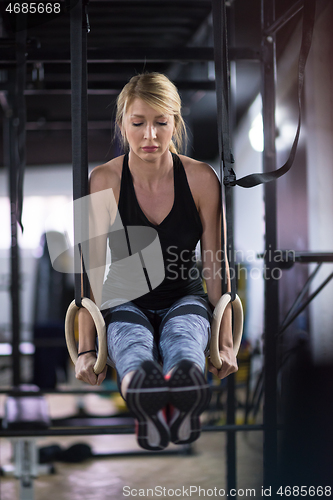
[165,335]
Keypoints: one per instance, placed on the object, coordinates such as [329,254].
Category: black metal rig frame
[267,59]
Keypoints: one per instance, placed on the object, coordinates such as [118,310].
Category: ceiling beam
[129,55]
[154,3]
[109,88]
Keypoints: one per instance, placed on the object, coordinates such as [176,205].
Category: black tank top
[178,233]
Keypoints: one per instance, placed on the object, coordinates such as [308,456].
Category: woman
[158,341]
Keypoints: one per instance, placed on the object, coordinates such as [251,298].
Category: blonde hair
[160,93]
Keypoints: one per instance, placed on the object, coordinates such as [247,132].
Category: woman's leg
[130,339]
[184,342]
[185,333]
[133,352]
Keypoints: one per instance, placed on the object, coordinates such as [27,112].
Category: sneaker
[146,396]
[189,397]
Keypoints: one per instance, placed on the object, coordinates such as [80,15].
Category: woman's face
[147,131]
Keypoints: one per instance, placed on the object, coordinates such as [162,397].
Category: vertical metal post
[79,105]
[15,130]
[222,76]
[14,161]
[10,151]
[271,285]
[231,435]
[231,382]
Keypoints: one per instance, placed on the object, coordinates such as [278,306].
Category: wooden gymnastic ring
[101,332]
[216,323]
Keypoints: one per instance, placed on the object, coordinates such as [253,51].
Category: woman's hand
[229,363]
[84,369]
[226,347]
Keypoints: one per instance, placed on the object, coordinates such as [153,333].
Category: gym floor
[106,478]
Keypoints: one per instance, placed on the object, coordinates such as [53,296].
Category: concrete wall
[319,145]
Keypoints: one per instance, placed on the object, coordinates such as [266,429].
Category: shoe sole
[190,395]
[146,395]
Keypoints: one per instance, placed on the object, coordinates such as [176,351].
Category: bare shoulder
[107,176]
[201,177]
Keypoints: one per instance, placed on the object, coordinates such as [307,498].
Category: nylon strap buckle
[229,179]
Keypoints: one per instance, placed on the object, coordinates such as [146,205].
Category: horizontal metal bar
[67,431]
[233,428]
[114,87]
[131,55]
[98,430]
[154,3]
[64,125]
[68,91]
[208,86]
[309,257]
[292,256]
[9,391]
[180,450]
[55,392]
[285,18]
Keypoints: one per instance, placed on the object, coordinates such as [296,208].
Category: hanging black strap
[20,111]
[226,159]
[79,105]
[222,95]
[309,14]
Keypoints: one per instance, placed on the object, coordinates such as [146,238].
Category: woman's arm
[210,214]
[102,209]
